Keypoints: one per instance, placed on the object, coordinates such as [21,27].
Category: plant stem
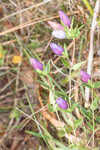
[87,4]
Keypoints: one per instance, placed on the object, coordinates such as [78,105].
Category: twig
[76,96]
[11,93]
[7,85]
[30,23]
[90,57]
[12,41]
[23,10]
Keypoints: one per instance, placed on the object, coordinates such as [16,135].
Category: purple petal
[58,50]
[64,18]
[59,34]
[62,103]
[56,26]
[36,64]
[84,76]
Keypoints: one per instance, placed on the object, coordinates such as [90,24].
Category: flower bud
[58,50]
[56,26]
[59,34]
[62,103]
[84,76]
[64,18]
[36,64]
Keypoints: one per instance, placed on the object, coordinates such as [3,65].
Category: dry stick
[73,54]
[13,3]
[12,41]
[76,96]
[90,57]
[30,23]
[70,81]
[11,93]
[77,85]
[23,10]
[27,120]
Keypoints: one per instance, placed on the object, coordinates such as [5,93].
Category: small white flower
[59,34]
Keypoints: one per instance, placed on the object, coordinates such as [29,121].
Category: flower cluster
[84,76]
[36,64]
[58,29]
[58,32]
[62,103]
[58,50]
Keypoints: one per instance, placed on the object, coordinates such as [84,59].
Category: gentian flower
[84,76]
[62,103]
[58,50]
[36,64]
[55,25]
[59,34]
[64,18]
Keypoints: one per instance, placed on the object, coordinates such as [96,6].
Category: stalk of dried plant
[91,52]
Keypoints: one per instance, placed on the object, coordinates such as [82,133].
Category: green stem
[26,53]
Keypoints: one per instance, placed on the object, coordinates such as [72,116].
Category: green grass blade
[87,4]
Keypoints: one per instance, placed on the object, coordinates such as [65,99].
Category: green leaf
[78,65]
[15,114]
[2,54]
[61,133]
[94,104]
[87,85]
[90,125]
[78,147]
[51,108]
[78,123]
[47,68]
[86,113]
[65,62]
[98,119]
[71,109]
[69,119]
[33,45]
[1,61]
[95,148]
[35,134]
[60,145]
[65,81]
[51,97]
[96,84]
[65,51]
[87,4]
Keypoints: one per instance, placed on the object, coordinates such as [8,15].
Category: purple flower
[58,50]
[62,103]
[64,18]
[36,64]
[59,34]
[55,25]
[84,76]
